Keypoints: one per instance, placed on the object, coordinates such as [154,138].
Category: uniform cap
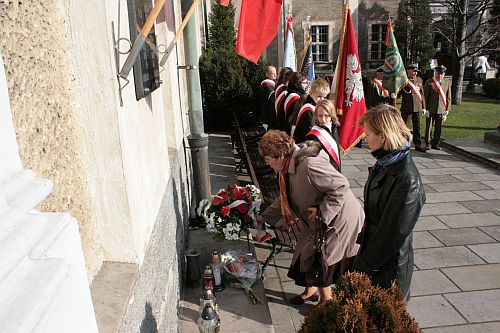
[413,67]
[440,69]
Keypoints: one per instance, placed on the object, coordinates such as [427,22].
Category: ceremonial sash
[279,100]
[268,81]
[279,89]
[441,92]
[415,90]
[303,109]
[385,92]
[327,141]
[289,100]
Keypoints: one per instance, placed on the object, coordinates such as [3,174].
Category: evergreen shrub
[360,307]
[229,82]
[491,87]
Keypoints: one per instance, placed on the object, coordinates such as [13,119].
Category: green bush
[360,307]
[491,87]
[229,82]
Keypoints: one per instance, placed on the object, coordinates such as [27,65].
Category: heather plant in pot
[360,307]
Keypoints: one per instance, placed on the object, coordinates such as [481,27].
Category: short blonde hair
[320,87]
[330,108]
[385,119]
[276,144]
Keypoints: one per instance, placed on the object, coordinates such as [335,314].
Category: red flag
[259,20]
[225,2]
[348,88]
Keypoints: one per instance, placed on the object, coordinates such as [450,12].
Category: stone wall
[37,74]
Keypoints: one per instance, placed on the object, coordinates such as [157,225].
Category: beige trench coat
[314,182]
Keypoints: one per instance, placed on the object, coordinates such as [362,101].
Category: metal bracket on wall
[116,47]
[189,67]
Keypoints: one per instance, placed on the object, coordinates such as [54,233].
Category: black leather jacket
[393,201]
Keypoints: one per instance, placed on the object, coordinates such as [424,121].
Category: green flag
[394,71]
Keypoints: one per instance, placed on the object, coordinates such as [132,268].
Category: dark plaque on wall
[146,70]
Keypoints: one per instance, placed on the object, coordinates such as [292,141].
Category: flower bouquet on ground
[231,211]
[241,270]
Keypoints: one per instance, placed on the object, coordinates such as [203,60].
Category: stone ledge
[492,137]
[237,312]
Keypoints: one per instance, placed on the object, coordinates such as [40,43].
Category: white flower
[201,207]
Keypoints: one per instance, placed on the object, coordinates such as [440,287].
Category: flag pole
[341,51]
[140,39]
[179,32]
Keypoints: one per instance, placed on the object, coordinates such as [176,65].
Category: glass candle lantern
[217,269]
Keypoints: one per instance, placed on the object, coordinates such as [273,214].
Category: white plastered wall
[124,149]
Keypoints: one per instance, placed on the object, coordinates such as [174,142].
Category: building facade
[116,153]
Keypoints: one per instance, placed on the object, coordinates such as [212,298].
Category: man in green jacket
[437,95]
[413,103]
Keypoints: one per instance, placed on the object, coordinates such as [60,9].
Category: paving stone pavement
[456,282]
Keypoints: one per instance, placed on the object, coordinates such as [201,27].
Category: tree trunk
[457,80]
[459,51]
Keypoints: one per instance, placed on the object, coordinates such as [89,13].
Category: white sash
[415,90]
[279,100]
[441,92]
[327,141]
[385,92]
[268,81]
[289,100]
[303,109]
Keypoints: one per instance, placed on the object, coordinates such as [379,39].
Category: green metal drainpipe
[198,140]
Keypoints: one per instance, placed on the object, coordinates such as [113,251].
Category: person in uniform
[266,88]
[302,116]
[294,91]
[324,131]
[376,94]
[437,95]
[413,103]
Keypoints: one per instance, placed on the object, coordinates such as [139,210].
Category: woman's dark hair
[282,77]
[294,85]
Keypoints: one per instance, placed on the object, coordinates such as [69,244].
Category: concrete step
[23,190]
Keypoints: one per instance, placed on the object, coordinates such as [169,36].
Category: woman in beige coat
[310,186]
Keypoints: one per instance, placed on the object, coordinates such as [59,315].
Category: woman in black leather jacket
[394,196]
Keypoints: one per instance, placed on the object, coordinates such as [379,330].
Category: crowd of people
[302,146]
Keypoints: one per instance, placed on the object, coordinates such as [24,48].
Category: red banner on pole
[349,94]
[259,21]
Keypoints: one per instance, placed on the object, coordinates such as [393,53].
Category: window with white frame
[319,42]
[377,39]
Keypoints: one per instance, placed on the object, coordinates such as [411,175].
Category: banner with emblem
[394,71]
[347,87]
[307,64]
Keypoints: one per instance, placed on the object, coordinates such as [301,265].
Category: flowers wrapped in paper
[241,271]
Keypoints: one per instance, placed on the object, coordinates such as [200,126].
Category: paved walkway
[456,283]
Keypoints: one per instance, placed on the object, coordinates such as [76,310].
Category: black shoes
[436,147]
[422,149]
[298,300]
